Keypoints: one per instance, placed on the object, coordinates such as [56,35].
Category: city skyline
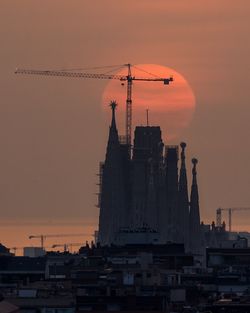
[54,131]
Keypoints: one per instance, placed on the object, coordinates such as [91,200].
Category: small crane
[43,237]
[15,249]
[67,245]
[230,211]
[129,78]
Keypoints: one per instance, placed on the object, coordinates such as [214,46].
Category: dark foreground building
[143,196]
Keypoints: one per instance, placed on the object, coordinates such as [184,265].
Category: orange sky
[53,131]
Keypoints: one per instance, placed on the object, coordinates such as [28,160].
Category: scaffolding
[99,184]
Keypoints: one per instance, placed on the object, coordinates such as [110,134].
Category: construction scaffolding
[99,184]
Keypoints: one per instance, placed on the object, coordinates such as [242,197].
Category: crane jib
[91,75]
[129,78]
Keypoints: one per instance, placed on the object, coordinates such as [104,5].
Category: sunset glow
[172,104]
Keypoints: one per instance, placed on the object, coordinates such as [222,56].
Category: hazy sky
[53,132]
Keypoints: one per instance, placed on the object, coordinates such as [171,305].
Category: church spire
[183,203]
[194,199]
[171,231]
[113,133]
[195,232]
[194,172]
[183,173]
[113,105]
[112,209]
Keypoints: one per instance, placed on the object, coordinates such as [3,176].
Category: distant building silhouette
[143,197]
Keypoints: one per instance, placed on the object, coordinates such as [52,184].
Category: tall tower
[112,203]
[147,155]
[194,221]
[170,231]
[183,201]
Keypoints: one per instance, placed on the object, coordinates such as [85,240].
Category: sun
[169,106]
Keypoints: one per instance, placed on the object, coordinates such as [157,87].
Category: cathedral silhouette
[143,196]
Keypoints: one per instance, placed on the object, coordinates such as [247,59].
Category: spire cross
[113,105]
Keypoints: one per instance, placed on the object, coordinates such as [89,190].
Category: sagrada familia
[143,196]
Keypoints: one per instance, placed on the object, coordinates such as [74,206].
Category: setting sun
[174,104]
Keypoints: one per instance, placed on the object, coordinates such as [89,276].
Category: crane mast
[128,78]
[129,107]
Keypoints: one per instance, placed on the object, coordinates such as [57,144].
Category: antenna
[147,117]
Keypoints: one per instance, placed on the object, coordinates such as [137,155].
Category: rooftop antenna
[147,117]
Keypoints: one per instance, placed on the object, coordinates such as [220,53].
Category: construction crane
[230,211]
[67,245]
[43,237]
[129,78]
[15,249]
